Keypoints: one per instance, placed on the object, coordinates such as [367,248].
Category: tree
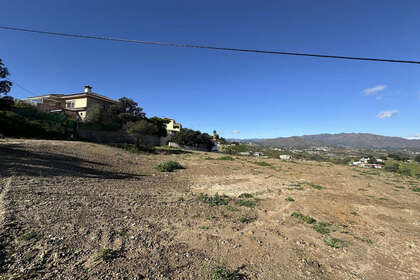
[161,126]
[140,129]
[193,138]
[128,110]
[5,85]
[417,158]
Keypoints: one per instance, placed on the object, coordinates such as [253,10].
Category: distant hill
[350,140]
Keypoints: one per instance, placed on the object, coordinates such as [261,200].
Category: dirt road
[73,210]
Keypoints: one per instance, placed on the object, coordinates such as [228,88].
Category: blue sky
[240,95]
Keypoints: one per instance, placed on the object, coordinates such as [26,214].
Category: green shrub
[261,163]
[322,227]
[306,219]
[169,166]
[246,220]
[222,273]
[225,158]
[334,242]
[104,254]
[28,236]
[215,200]
[245,195]
[246,203]
[289,198]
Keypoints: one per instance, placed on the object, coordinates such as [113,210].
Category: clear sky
[241,95]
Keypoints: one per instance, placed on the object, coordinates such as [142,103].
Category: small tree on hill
[140,129]
[5,85]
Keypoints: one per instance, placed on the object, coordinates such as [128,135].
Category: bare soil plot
[73,210]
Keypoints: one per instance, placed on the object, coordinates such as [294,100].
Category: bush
[169,166]
[306,219]
[222,273]
[417,158]
[215,200]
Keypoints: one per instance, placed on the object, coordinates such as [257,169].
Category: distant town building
[365,163]
[258,154]
[286,157]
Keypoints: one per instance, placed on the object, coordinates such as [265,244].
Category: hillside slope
[352,140]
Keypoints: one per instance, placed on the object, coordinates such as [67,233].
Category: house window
[69,104]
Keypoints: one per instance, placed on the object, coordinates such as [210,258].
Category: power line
[208,47]
[25,89]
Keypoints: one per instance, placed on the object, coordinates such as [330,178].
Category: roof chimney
[88,89]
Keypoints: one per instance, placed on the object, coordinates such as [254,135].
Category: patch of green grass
[351,222]
[222,273]
[225,158]
[169,166]
[245,195]
[231,208]
[334,242]
[383,198]
[415,189]
[246,220]
[208,158]
[295,186]
[28,236]
[104,254]
[322,227]
[289,198]
[211,218]
[204,227]
[215,200]
[261,163]
[400,187]
[246,203]
[315,186]
[303,218]
[368,241]
[181,198]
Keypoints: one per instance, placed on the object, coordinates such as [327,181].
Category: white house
[287,157]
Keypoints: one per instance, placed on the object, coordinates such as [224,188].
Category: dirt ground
[74,210]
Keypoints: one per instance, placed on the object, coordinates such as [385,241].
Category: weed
[368,241]
[306,219]
[245,195]
[354,213]
[104,254]
[211,218]
[246,203]
[415,189]
[334,242]
[222,273]
[322,227]
[231,208]
[315,186]
[28,236]
[226,158]
[214,200]
[208,158]
[261,163]
[246,220]
[400,187]
[169,166]
[383,198]
[289,198]
[351,222]
[204,227]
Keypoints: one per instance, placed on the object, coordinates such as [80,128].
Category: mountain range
[348,140]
